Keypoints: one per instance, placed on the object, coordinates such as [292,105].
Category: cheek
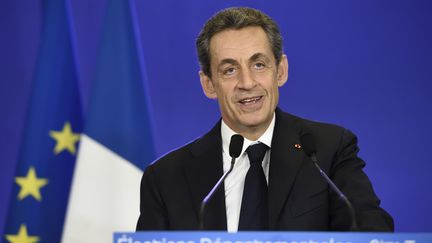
[274,93]
[264,76]
[226,90]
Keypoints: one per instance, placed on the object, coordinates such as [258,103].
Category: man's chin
[253,122]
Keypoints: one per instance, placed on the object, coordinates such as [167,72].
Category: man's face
[245,79]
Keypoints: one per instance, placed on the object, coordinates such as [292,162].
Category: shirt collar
[227,132]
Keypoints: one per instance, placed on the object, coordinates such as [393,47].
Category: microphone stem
[339,193]
[211,193]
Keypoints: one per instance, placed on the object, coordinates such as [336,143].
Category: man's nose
[246,79]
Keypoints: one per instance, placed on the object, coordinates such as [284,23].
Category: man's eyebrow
[253,58]
[257,56]
[227,61]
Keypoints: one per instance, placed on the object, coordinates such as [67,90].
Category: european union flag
[54,123]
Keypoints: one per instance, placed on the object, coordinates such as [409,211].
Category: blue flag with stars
[54,123]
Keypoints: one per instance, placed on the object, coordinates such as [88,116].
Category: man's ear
[207,85]
[282,72]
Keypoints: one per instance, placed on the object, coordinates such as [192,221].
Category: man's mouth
[250,100]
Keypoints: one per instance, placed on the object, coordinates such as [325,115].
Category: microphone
[235,148]
[307,141]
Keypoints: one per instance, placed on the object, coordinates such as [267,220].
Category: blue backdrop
[365,65]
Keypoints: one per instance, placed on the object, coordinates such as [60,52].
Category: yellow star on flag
[65,139]
[30,185]
[22,236]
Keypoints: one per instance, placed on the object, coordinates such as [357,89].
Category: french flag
[116,143]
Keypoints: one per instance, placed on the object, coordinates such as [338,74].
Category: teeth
[250,100]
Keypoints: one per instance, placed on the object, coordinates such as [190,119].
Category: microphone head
[236,145]
[307,141]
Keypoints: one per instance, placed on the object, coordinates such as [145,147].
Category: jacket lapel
[285,162]
[206,167]
[202,172]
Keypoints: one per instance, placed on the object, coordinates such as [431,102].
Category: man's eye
[229,71]
[259,65]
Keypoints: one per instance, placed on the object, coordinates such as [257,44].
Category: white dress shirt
[234,183]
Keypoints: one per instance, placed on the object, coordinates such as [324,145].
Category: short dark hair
[236,18]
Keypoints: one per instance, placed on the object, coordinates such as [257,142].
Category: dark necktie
[254,207]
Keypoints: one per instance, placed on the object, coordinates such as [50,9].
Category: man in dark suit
[243,66]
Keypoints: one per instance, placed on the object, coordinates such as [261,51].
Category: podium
[269,237]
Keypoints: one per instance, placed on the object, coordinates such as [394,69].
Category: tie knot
[256,153]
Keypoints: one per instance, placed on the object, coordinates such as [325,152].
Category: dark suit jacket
[173,187]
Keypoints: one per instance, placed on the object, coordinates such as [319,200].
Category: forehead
[239,44]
